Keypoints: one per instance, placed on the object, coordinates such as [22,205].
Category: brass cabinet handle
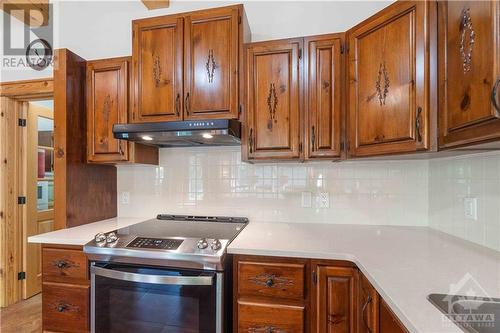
[59,152]
[186,103]
[494,95]
[178,105]
[418,124]
[363,313]
[250,141]
[313,138]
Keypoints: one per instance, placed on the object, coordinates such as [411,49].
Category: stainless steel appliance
[215,132]
[169,274]
[471,314]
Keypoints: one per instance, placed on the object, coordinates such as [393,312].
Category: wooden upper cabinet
[211,46]
[157,71]
[273,123]
[335,299]
[323,89]
[390,81]
[469,72]
[107,104]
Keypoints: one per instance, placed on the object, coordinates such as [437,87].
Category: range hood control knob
[216,245]
[202,244]
[112,238]
[100,238]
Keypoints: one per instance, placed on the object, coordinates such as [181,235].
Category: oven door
[127,298]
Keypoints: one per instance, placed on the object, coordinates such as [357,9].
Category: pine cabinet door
[324,87]
[157,73]
[273,130]
[211,64]
[469,72]
[389,81]
[107,104]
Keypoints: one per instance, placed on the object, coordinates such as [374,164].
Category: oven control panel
[155,243]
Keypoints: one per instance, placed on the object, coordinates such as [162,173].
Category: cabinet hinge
[315,277]
[239,19]
[22,122]
[240,110]
[300,147]
[342,146]
[21,200]
[300,53]
[21,275]
[342,49]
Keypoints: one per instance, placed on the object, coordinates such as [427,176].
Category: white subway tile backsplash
[214,181]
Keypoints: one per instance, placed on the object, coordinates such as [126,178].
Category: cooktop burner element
[181,240]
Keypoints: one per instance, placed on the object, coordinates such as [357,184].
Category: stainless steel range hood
[217,132]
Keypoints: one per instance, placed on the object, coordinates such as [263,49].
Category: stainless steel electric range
[169,274]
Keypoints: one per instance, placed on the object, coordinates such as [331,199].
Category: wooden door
[274,112]
[389,81]
[157,69]
[39,190]
[107,104]
[335,300]
[324,89]
[211,47]
[469,72]
[368,306]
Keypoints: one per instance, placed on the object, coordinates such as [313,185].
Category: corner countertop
[404,264]
[83,234]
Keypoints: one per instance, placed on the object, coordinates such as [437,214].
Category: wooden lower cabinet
[265,317]
[65,289]
[285,295]
[334,298]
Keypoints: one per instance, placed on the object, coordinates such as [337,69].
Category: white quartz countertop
[81,235]
[404,264]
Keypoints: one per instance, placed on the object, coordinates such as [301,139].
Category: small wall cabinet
[324,102]
[391,81]
[186,66]
[273,128]
[468,72]
[108,104]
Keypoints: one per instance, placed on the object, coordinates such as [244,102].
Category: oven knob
[216,245]
[100,238]
[202,244]
[112,238]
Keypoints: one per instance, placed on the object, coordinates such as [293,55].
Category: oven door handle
[153,279]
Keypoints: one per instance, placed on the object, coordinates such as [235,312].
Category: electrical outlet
[323,200]
[125,198]
[306,199]
[470,208]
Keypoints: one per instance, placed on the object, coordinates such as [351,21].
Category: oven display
[155,243]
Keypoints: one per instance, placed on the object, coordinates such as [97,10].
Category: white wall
[101,29]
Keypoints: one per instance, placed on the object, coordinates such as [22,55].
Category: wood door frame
[13,96]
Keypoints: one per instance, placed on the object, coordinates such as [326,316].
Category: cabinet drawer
[281,280]
[64,265]
[65,308]
[257,317]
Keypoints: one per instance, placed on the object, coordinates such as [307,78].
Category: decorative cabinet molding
[273,122]
[108,104]
[392,86]
[468,72]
